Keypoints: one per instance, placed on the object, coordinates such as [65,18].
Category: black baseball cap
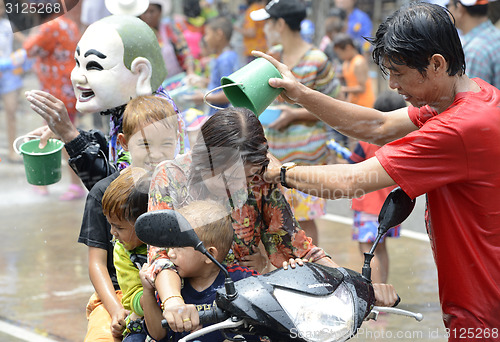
[280,9]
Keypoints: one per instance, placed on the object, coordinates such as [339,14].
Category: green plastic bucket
[249,87]
[42,166]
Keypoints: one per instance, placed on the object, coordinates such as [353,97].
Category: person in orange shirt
[253,31]
[355,70]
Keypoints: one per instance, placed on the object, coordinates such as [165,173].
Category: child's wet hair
[212,223]
[145,110]
[126,198]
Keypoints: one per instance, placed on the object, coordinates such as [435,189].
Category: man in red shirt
[444,145]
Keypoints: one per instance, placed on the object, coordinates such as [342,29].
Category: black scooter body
[256,302]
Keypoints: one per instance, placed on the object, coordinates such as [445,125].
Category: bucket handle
[14,144]
[211,91]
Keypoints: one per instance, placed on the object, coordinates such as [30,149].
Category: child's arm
[152,311]
[180,316]
[99,276]
[128,279]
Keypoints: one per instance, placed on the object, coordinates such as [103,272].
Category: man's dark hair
[413,34]
[191,8]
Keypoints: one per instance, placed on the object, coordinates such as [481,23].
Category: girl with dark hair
[227,163]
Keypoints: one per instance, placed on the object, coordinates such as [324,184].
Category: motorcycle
[308,303]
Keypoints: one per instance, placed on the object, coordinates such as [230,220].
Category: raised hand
[293,89]
[54,112]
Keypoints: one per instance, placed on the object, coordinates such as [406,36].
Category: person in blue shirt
[359,24]
[218,33]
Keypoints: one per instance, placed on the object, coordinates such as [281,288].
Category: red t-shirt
[455,158]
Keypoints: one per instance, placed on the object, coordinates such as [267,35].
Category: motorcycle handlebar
[397,302]
[212,316]
[206,317]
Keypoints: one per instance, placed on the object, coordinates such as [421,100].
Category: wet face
[187,260]
[233,179]
[124,232]
[153,144]
[100,79]
[416,89]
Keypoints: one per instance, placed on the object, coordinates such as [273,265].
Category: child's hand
[181,317]
[147,284]
[118,323]
[196,97]
[256,261]
[196,81]
[286,118]
[293,263]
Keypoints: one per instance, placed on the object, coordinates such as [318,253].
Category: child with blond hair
[201,277]
[151,132]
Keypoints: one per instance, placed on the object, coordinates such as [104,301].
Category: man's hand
[44,133]
[54,112]
[273,169]
[385,295]
[293,89]
[286,118]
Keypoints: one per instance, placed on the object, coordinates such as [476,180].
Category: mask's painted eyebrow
[94,52]
[78,50]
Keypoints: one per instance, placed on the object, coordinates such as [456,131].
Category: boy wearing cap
[296,135]
[480,39]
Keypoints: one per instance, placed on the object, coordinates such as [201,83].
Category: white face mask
[273,37]
[100,79]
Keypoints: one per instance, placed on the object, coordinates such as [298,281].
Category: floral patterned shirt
[265,216]
[54,47]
